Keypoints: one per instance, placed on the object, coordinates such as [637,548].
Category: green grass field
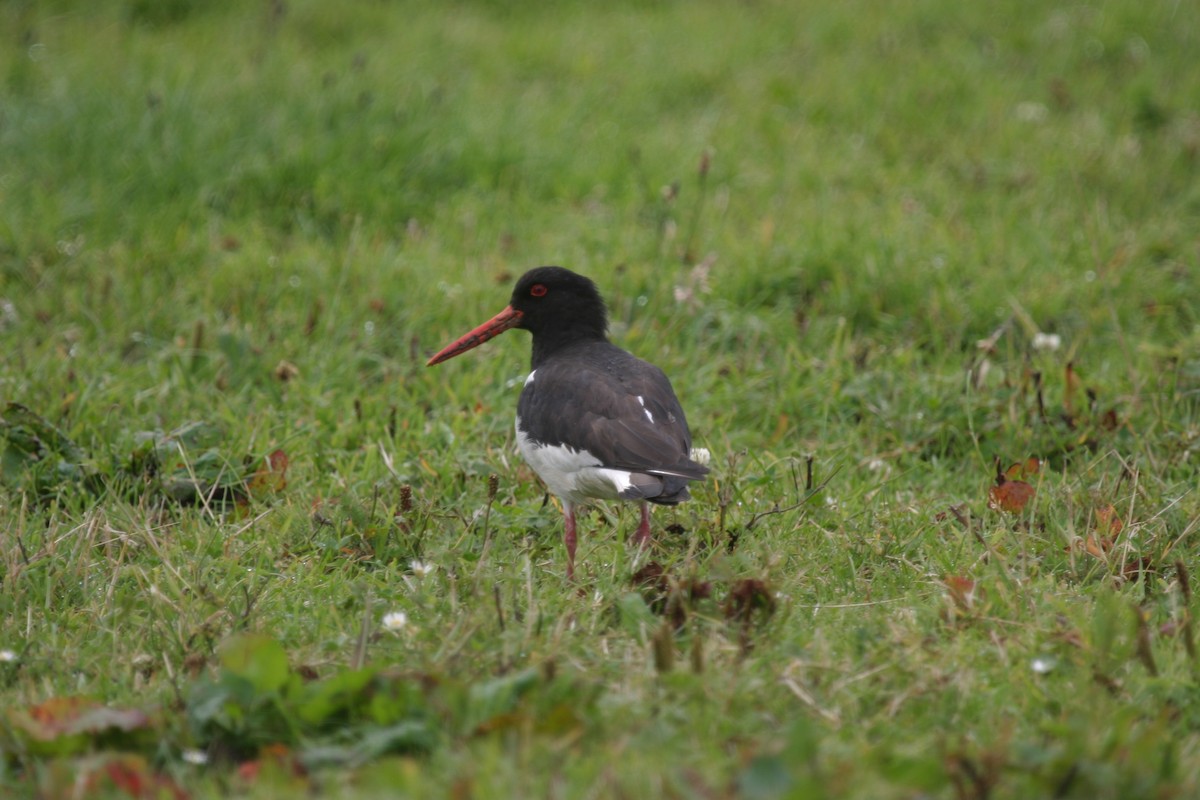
[882,250]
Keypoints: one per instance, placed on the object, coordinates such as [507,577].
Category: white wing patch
[573,475]
[645,410]
[529,378]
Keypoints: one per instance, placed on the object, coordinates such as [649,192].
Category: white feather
[645,410]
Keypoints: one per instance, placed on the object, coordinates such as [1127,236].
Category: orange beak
[508,318]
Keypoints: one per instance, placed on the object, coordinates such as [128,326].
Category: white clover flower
[7,656]
[197,757]
[395,621]
[1043,664]
[1046,341]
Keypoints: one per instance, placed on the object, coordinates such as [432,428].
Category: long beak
[508,318]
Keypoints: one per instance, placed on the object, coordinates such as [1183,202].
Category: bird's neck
[546,345]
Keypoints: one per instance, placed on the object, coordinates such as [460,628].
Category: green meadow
[925,276]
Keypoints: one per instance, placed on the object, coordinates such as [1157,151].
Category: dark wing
[619,408]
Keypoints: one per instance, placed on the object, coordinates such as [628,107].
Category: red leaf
[1010,493]
[1010,496]
[131,775]
[276,759]
[71,716]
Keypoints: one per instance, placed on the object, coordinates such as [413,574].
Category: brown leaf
[1023,469]
[1106,526]
[1107,522]
[1097,546]
[1010,496]
[963,591]
[271,476]
[1073,385]
[1010,493]
[652,582]
[747,598]
[277,759]
[1136,566]
[69,716]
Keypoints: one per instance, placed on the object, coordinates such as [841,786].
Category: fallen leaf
[1010,496]
[1106,527]
[277,760]
[749,598]
[1024,469]
[271,476]
[651,580]
[1010,493]
[131,774]
[963,591]
[1135,567]
[1097,546]
[65,725]
[1072,386]
[1107,522]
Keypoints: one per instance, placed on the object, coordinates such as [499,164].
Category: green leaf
[38,457]
[258,659]
[411,736]
[341,693]
[494,698]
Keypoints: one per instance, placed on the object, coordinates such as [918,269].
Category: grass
[264,217]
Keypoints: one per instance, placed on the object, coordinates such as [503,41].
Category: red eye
[538,290]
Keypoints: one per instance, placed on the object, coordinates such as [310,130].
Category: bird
[593,421]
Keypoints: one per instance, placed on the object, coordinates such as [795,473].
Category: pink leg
[569,538]
[642,536]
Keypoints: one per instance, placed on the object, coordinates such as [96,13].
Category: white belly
[572,475]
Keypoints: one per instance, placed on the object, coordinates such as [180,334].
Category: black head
[554,304]
[557,304]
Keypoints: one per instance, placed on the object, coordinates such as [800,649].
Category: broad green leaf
[343,693]
[258,659]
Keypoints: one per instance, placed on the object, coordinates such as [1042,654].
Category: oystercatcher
[593,421]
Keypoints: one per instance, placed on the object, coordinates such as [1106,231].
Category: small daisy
[197,757]
[421,569]
[1046,341]
[395,621]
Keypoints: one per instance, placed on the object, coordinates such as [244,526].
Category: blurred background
[795,208]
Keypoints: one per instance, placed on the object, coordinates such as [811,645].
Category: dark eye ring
[538,290]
